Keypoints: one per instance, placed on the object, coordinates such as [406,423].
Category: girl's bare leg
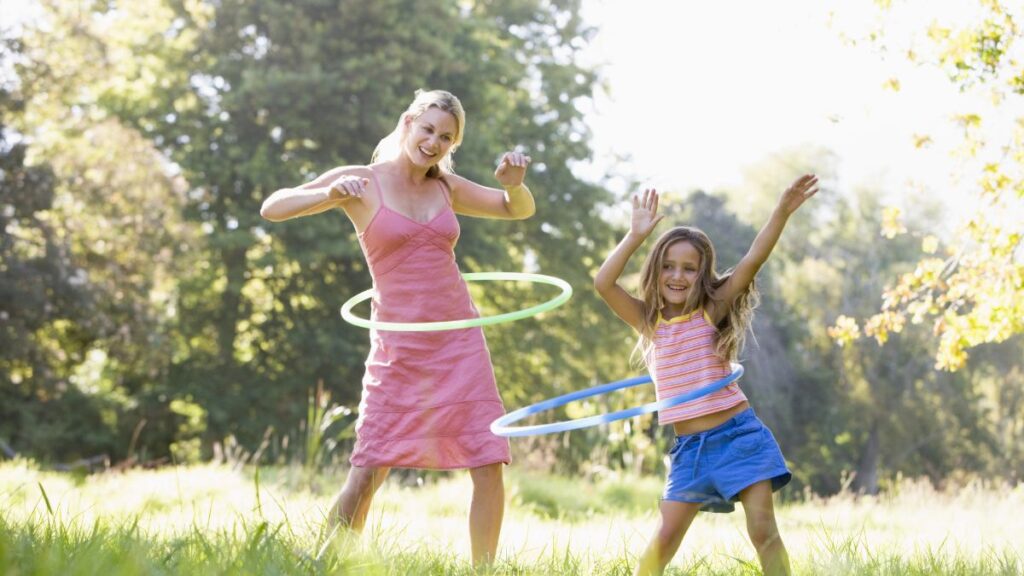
[764,533]
[676,518]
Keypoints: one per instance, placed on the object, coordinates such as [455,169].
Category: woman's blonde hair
[731,330]
[390,146]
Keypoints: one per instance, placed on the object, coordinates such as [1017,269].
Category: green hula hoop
[562,298]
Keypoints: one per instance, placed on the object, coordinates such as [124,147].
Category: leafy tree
[43,304]
[998,380]
[973,291]
[49,315]
[901,415]
[116,214]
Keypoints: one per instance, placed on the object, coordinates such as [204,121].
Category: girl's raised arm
[799,191]
[645,218]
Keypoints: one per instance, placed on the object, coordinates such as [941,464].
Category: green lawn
[215,520]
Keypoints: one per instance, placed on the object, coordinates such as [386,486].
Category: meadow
[218,519]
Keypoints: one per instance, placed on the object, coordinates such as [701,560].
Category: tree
[115,213]
[43,299]
[899,413]
[973,291]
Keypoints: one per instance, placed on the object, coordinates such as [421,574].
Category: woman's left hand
[512,169]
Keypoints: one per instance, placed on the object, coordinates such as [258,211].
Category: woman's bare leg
[486,512]
[352,505]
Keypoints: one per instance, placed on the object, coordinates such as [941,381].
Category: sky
[699,90]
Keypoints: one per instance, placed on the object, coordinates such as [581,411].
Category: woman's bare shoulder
[350,170]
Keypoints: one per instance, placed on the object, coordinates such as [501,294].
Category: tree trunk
[866,481]
[231,303]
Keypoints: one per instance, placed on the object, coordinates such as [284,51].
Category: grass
[214,520]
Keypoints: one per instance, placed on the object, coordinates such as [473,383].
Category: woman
[428,397]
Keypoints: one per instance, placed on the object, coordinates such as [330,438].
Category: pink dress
[428,397]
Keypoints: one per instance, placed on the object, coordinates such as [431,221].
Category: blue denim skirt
[712,467]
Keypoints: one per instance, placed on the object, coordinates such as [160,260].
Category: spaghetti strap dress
[428,397]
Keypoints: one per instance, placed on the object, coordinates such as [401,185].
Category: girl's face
[429,137]
[680,269]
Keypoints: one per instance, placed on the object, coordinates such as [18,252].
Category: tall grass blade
[46,498]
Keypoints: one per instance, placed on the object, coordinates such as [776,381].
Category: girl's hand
[348,186]
[512,169]
[800,190]
[645,213]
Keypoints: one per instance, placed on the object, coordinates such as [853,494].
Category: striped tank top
[684,359]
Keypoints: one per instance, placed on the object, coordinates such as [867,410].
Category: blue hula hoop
[503,426]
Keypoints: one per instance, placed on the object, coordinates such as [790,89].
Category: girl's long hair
[731,330]
[390,147]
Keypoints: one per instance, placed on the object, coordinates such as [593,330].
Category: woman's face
[430,136]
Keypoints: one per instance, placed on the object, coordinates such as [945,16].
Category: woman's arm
[800,190]
[331,189]
[643,221]
[515,202]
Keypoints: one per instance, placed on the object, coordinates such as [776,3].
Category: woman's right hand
[645,213]
[347,186]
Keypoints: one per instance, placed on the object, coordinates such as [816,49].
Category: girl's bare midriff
[708,421]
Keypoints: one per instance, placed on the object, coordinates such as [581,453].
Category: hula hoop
[503,426]
[346,309]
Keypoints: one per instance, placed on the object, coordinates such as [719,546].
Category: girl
[691,323]
[428,397]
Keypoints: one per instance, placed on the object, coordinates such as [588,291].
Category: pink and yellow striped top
[684,359]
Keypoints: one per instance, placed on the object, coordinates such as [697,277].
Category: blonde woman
[428,397]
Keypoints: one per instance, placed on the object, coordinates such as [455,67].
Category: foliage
[972,292]
[119,243]
[45,320]
[321,416]
[892,394]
